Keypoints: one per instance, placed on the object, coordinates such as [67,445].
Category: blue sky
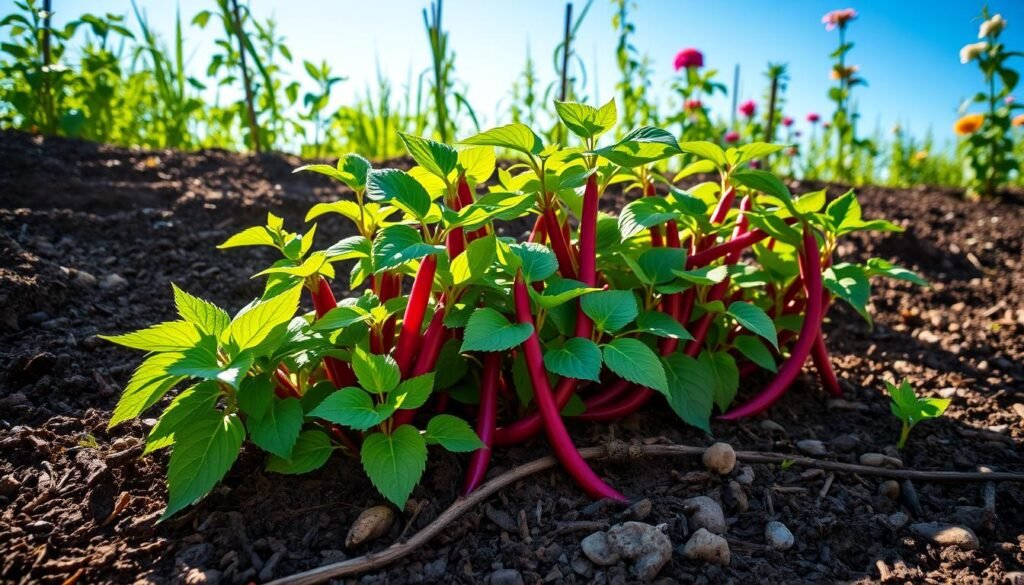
[907,49]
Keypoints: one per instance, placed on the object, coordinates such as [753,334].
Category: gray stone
[946,534]
[598,550]
[812,447]
[778,536]
[890,489]
[506,577]
[705,512]
[898,520]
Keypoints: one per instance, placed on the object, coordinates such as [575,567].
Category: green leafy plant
[591,317]
[910,409]
[846,77]
[987,146]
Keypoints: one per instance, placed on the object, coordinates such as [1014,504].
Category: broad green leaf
[810,202]
[722,369]
[204,451]
[278,429]
[512,136]
[610,310]
[662,325]
[399,188]
[311,451]
[704,276]
[756,150]
[691,390]
[471,265]
[881,267]
[148,384]
[350,248]
[640,147]
[395,462]
[353,408]
[764,182]
[754,319]
[192,403]
[203,362]
[586,121]
[412,393]
[660,264]
[489,330]
[440,159]
[452,433]
[538,262]
[252,326]
[705,150]
[695,168]
[340,317]
[376,373]
[578,358]
[351,170]
[397,244]
[553,297]
[254,236]
[644,213]
[632,360]
[754,350]
[206,316]
[451,365]
[255,394]
[850,283]
[478,163]
[168,336]
[316,263]
[777,228]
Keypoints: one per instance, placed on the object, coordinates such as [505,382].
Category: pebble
[844,443]
[778,536]
[371,524]
[113,281]
[719,458]
[746,475]
[81,277]
[879,460]
[199,577]
[898,520]
[1019,409]
[647,546]
[738,496]
[639,510]
[598,550]
[812,447]
[946,534]
[706,513]
[889,489]
[506,577]
[707,547]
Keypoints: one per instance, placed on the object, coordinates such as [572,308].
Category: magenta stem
[480,460]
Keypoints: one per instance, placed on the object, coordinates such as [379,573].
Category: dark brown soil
[92,236]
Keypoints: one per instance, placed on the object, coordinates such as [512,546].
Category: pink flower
[787,121]
[731,136]
[692,105]
[748,108]
[1008,100]
[755,164]
[827,125]
[838,18]
[689,58]
[813,118]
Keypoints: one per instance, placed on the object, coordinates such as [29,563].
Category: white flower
[992,26]
[971,51]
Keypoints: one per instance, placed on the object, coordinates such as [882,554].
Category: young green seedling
[910,409]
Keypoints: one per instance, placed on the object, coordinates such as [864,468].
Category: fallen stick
[617,450]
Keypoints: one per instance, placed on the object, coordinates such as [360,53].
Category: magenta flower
[813,118]
[748,108]
[689,58]
[755,164]
[731,137]
[693,105]
[838,18]
[787,121]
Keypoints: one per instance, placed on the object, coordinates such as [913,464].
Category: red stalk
[426,359]
[822,363]
[528,426]
[338,372]
[810,268]
[588,252]
[412,321]
[656,239]
[559,438]
[539,234]
[705,257]
[559,245]
[465,200]
[480,460]
[456,239]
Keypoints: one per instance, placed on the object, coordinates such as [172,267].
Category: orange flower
[1018,120]
[838,72]
[969,124]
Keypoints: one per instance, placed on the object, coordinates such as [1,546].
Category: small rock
[81,277]
[770,426]
[705,512]
[598,550]
[946,534]
[113,281]
[371,524]
[812,447]
[39,526]
[9,486]
[879,460]
[648,547]
[1014,578]
[707,547]
[778,536]
[844,443]
[501,518]
[746,475]
[200,577]
[506,577]
[898,520]
[889,489]
[639,510]
[738,496]
[719,458]
[1019,409]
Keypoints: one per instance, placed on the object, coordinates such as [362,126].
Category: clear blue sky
[907,49]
